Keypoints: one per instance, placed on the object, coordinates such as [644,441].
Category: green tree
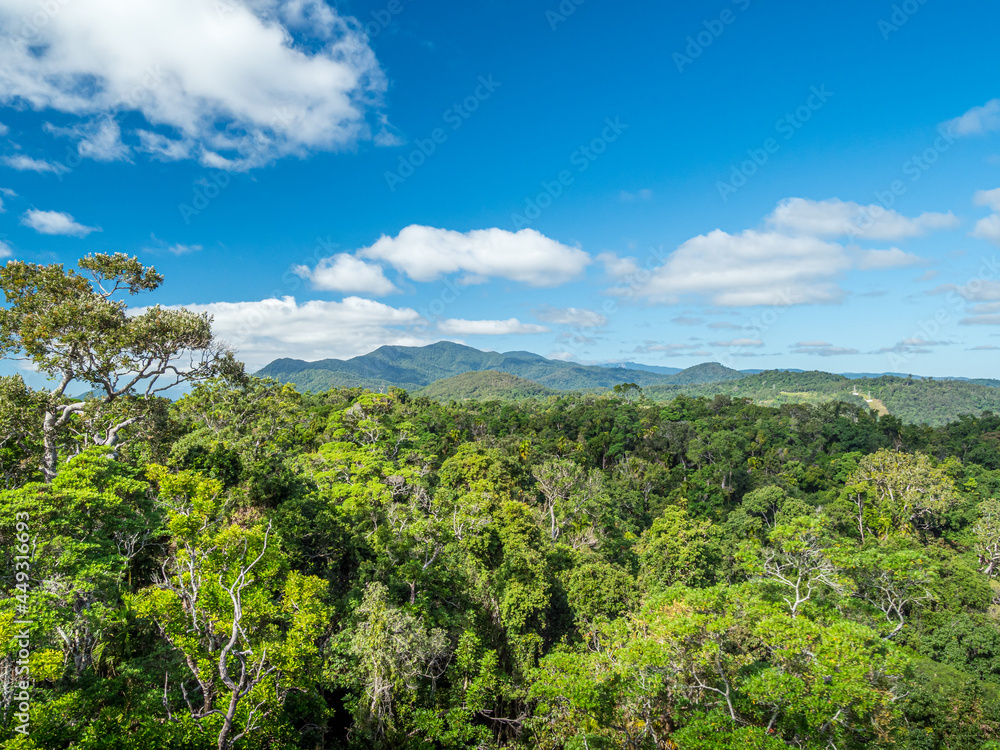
[899,493]
[74,330]
[246,628]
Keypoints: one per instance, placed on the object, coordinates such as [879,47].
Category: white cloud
[989,198]
[837,218]
[981,320]
[738,342]
[618,268]
[988,229]
[459,327]
[643,195]
[229,80]
[265,330]
[974,291]
[3,130]
[675,349]
[161,147]
[751,268]
[912,345]
[24,163]
[977,120]
[159,247]
[891,258]
[425,254]
[5,250]
[578,317]
[345,273]
[100,139]
[55,222]
[821,349]
[179,249]
[563,356]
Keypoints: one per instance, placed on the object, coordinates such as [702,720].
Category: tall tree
[74,328]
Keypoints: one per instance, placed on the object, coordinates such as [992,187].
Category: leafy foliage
[257,567]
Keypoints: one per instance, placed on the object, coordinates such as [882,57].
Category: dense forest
[250,566]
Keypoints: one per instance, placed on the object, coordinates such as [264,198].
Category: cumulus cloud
[750,268]
[685,320]
[578,317]
[977,120]
[5,250]
[988,228]
[345,273]
[100,139]
[985,295]
[891,258]
[425,254]
[618,268]
[265,330]
[724,326]
[24,163]
[974,291]
[989,198]
[792,262]
[242,82]
[55,222]
[837,218]
[459,327]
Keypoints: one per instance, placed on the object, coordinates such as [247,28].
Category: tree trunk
[50,459]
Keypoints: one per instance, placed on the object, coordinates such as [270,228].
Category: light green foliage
[245,626]
[257,568]
[678,549]
[900,493]
[987,531]
[727,654]
[394,653]
[86,528]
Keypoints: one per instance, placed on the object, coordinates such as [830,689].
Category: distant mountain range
[446,371]
[412,367]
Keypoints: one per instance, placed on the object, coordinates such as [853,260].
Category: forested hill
[912,400]
[432,371]
[411,367]
[488,385]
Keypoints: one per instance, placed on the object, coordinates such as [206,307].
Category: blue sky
[765,185]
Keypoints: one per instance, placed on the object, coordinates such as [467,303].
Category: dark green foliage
[574,570]
[486,385]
